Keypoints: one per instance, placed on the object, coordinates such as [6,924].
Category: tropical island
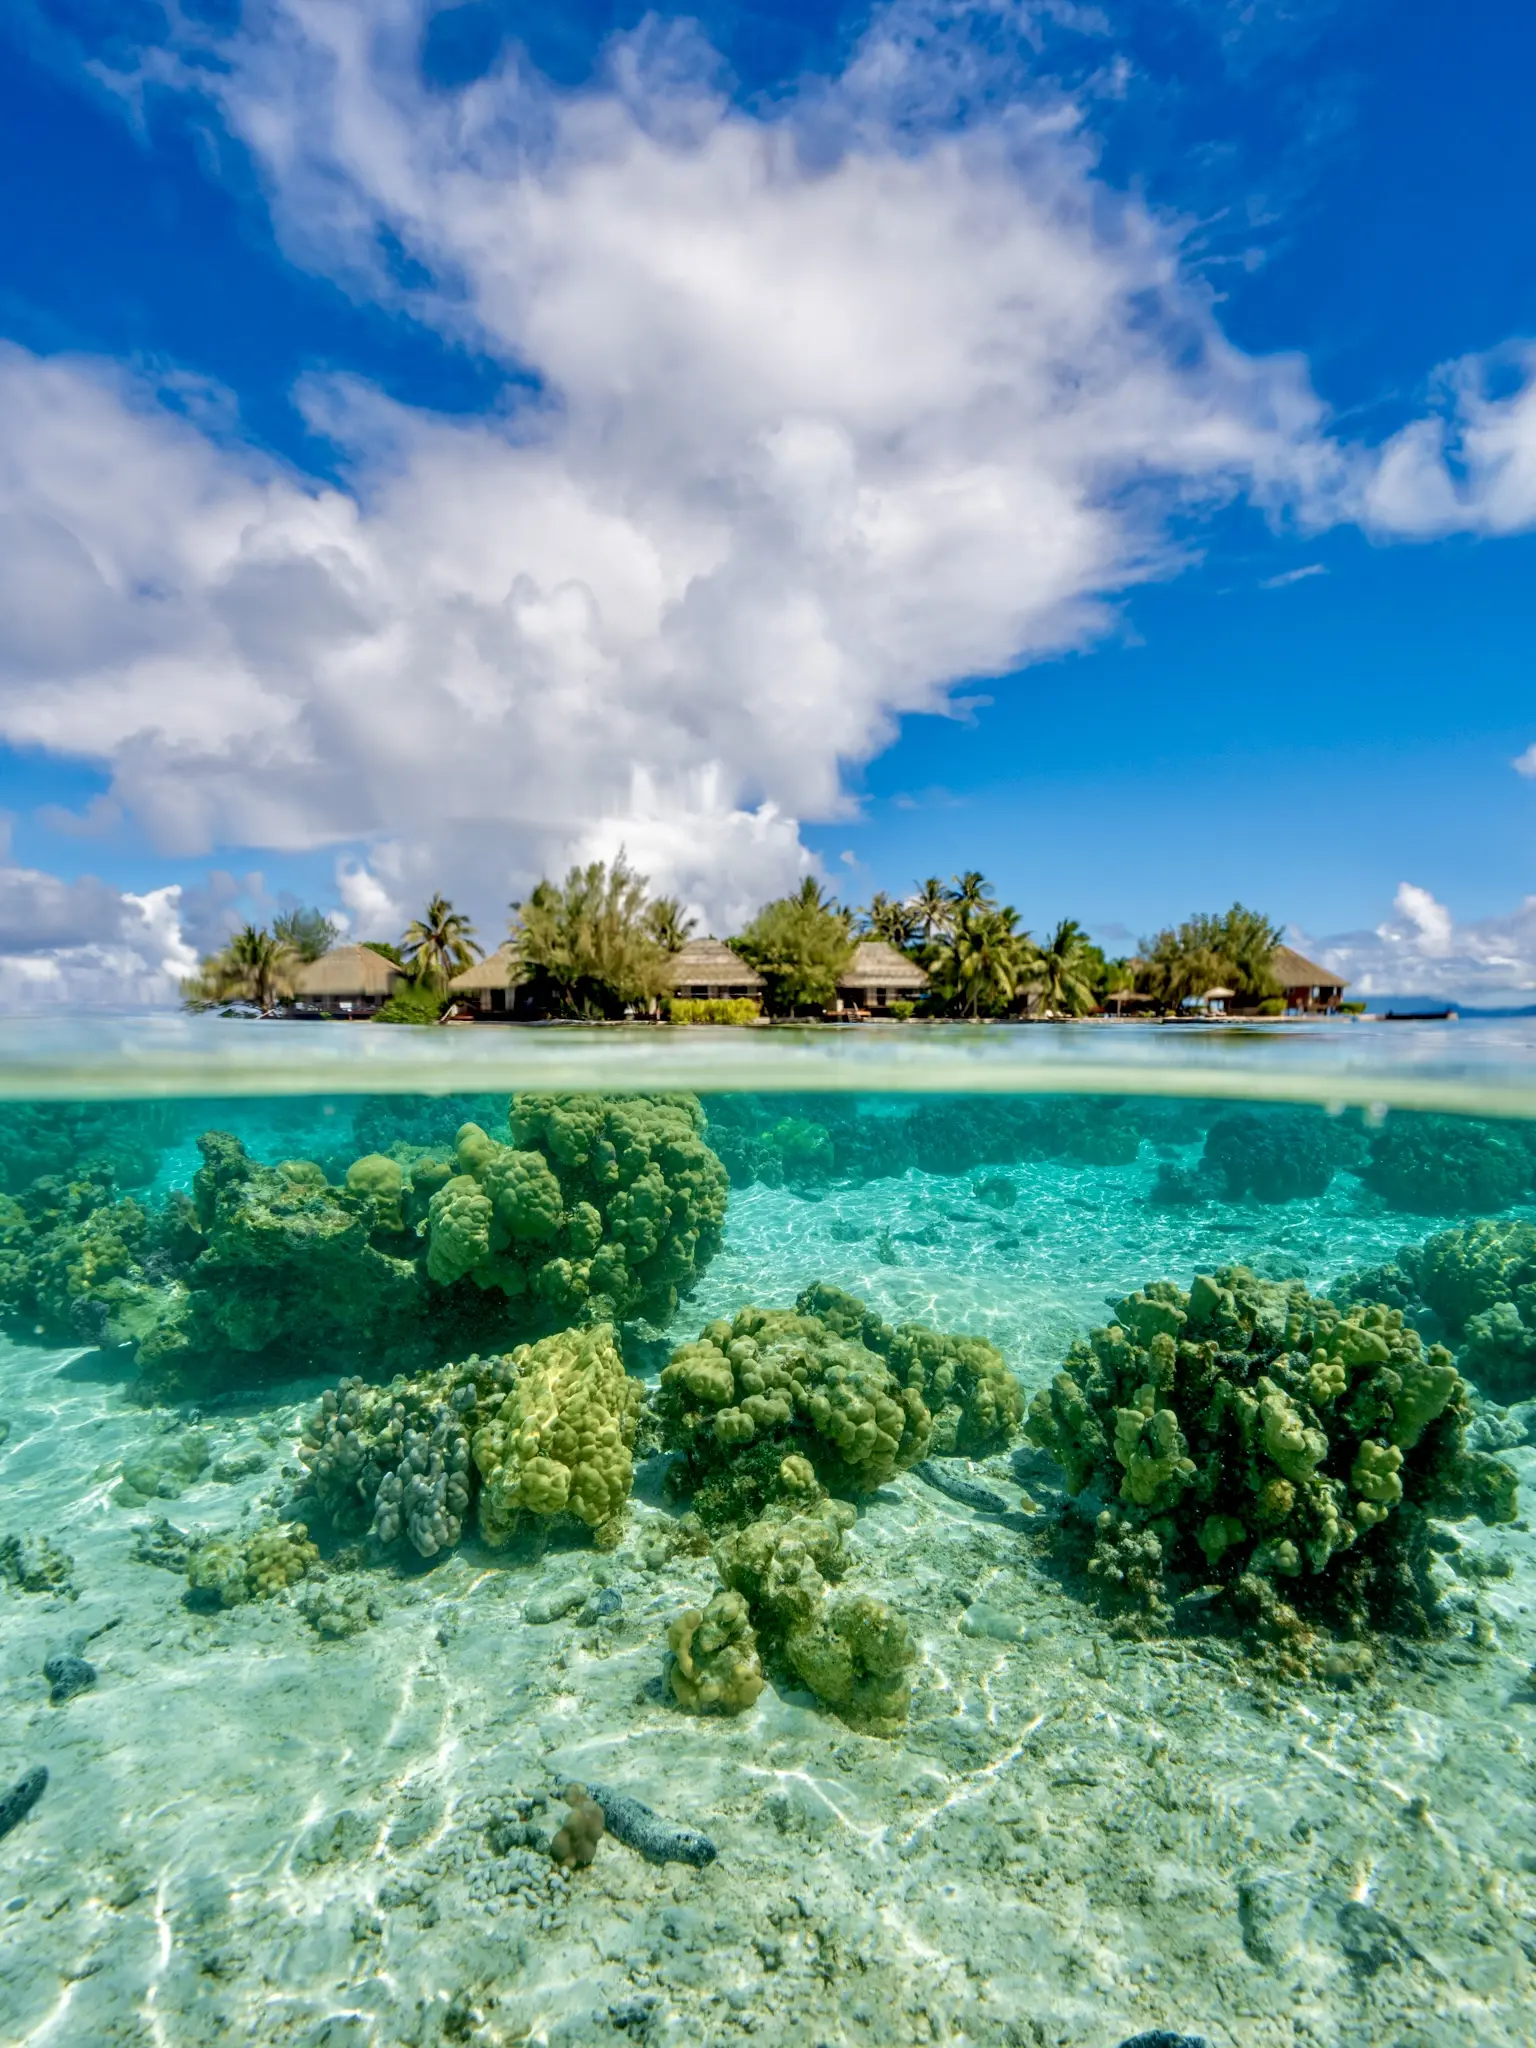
[600,947]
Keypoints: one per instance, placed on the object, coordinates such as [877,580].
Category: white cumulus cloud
[84,943]
[1424,949]
[831,409]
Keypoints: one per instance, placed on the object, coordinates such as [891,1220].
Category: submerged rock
[22,1797]
[67,1675]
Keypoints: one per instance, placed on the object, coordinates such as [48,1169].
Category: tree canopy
[801,945]
[589,943]
[439,944]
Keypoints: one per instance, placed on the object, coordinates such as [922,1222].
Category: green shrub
[412,1003]
[902,1011]
[1352,1009]
[1272,1006]
[711,1010]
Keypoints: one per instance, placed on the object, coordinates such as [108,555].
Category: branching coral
[1247,1434]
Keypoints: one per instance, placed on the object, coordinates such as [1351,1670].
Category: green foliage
[1345,1009]
[1274,1006]
[933,908]
[801,945]
[1060,974]
[414,1002]
[255,967]
[979,964]
[667,923]
[308,933]
[897,923]
[1245,1434]
[438,945]
[903,1011]
[589,945]
[1232,950]
[711,1010]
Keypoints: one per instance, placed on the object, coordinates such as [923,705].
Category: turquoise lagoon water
[307,1787]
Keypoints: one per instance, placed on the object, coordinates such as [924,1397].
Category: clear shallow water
[321,1811]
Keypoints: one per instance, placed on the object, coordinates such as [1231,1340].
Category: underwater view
[834,1565]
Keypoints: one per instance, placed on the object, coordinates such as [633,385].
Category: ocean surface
[355,1505]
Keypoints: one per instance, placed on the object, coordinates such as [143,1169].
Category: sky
[1092,444]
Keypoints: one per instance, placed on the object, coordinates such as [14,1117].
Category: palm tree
[668,924]
[886,919]
[933,908]
[980,964]
[255,967]
[439,944]
[1057,975]
[971,891]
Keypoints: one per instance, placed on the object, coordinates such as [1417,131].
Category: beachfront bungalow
[706,970]
[489,988]
[348,981]
[878,976]
[1305,985]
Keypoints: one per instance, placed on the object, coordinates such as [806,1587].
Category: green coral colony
[1275,1453]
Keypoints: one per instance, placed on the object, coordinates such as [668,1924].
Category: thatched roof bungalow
[1304,984]
[709,970]
[878,976]
[489,986]
[350,980]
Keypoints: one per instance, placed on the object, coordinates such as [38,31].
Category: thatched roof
[710,963]
[347,971]
[501,969]
[877,965]
[1294,970]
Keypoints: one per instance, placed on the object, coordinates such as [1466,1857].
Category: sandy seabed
[253,1834]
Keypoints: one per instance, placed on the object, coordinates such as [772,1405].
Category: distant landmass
[1409,1006]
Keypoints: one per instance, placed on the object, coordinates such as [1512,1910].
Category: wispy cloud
[1289,576]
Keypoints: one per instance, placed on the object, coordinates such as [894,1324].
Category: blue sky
[1095,445]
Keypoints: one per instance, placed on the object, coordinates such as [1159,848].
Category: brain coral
[712,1663]
[1246,1433]
[560,1440]
[774,1384]
[852,1651]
